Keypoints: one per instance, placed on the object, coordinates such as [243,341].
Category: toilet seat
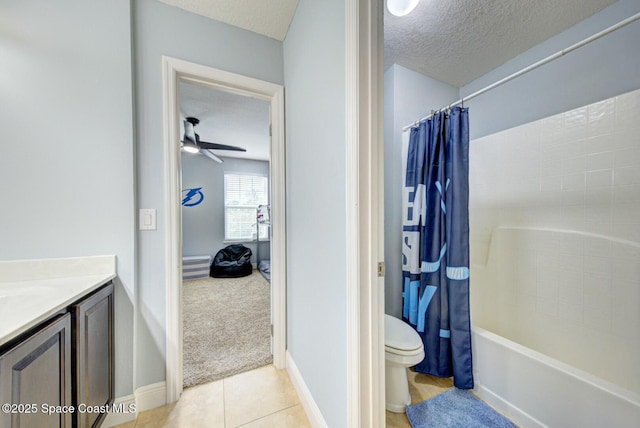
[400,338]
[403,352]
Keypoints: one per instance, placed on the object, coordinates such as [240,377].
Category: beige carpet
[226,327]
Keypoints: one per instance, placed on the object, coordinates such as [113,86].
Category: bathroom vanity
[56,342]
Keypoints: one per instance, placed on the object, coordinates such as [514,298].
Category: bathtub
[534,390]
[555,343]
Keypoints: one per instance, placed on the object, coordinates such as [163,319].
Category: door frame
[365,213]
[174,70]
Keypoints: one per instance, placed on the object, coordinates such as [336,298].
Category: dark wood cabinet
[37,373]
[60,374]
[93,357]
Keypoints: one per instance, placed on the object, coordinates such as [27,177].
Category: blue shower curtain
[436,244]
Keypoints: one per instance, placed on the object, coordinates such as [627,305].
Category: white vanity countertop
[33,290]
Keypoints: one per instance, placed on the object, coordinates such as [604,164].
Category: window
[242,195]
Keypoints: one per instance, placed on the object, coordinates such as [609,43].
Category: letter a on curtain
[436,243]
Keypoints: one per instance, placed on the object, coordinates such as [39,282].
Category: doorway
[176,72]
[226,299]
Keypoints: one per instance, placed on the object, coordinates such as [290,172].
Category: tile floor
[260,398]
[421,387]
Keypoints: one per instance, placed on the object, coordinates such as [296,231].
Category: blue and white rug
[456,408]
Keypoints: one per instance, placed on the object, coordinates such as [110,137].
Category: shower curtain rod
[535,65]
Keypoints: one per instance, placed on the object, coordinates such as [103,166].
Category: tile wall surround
[555,236]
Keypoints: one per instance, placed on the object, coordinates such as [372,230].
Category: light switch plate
[147,219]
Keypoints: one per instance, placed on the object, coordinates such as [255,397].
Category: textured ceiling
[270,18]
[458,41]
[228,118]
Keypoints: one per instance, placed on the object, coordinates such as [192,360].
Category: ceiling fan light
[190,148]
[401,7]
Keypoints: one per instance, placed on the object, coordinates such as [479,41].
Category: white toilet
[403,349]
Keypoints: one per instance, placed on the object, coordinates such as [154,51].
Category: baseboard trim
[126,409]
[310,407]
[151,396]
[116,418]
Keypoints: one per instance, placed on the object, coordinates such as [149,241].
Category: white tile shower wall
[555,236]
[578,170]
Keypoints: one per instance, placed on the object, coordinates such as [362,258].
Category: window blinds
[242,195]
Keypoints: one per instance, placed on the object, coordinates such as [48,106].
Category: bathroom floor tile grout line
[263,416]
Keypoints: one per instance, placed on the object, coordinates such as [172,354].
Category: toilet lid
[400,335]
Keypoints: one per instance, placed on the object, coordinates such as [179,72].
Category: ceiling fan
[191,141]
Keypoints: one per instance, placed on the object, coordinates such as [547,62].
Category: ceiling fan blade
[189,140]
[192,138]
[216,146]
[211,156]
[189,132]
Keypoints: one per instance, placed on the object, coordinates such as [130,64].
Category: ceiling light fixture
[190,146]
[401,7]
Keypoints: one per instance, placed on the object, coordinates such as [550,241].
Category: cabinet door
[93,351]
[37,372]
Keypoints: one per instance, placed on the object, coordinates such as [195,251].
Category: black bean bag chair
[233,261]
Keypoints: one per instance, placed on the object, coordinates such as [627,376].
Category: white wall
[159,30]
[314,52]
[408,97]
[203,224]
[66,157]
